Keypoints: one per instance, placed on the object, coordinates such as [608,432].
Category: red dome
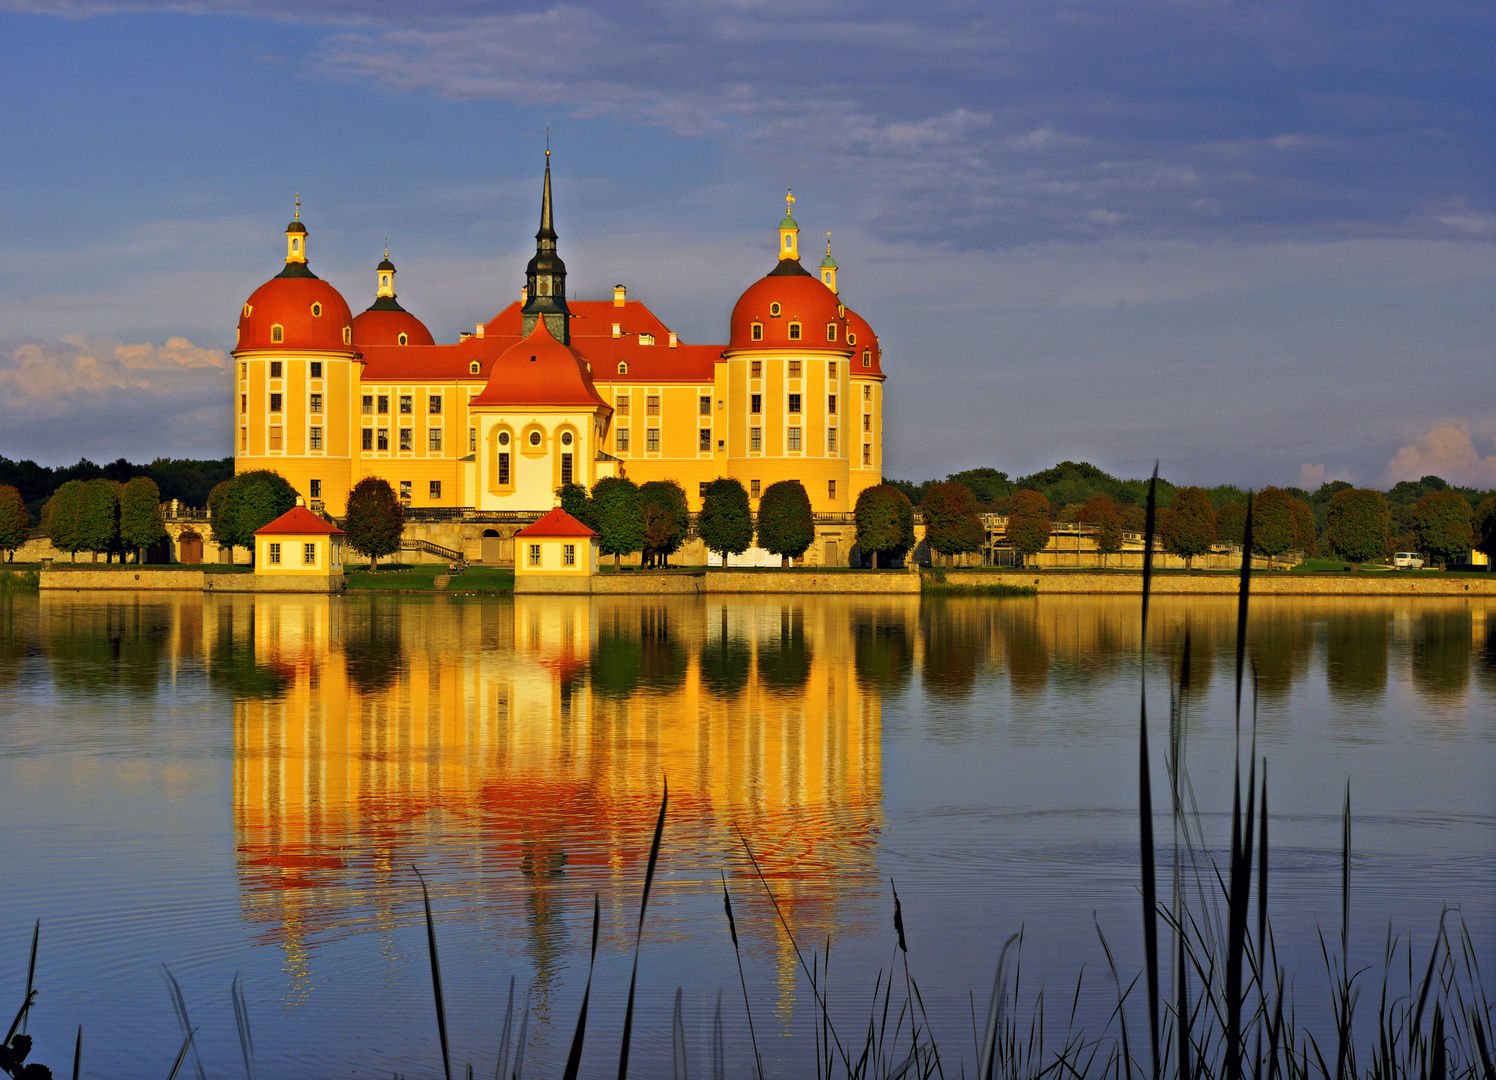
[863,343]
[539,370]
[802,300]
[383,326]
[288,302]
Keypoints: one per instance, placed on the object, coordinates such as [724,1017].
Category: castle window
[503,470]
[794,438]
[316,369]
[316,403]
[384,439]
[434,440]
[244,403]
[794,403]
[831,331]
[794,331]
[566,438]
[403,339]
[434,405]
[435,490]
[755,403]
[384,404]
[368,438]
[473,368]
[758,331]
[704,406]
[621,440]
[623,367]
[244,438]
[565,469]
[405,491]
[275,403]
[831,442]
[867,357]
[347,335]
[405,404]
[831,370]
[774,310]
[309,554]
[867,393]
[277,333]
[701,489]
[753,488]
[503,438]
[275,553]
[534,438]
[275,369]
[316,310]
[704,440]
[316,489]
[794,369]
[867,453]
[275,438]
[368,404]
[652,440]
[384,279]
[472,440]
[867,421]
[569,554]
[831,404]
[652,405]
[755,441]
[405,439]
[756,370]
[830,489]
[314,439]
[621,405]
[851,338]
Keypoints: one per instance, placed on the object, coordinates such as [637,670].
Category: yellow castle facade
[553,390]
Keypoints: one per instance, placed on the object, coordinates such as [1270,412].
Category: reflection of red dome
[801,298]
[383,324]
[863,343]
[289,302]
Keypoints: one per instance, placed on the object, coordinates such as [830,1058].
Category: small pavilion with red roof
[555,554]
[299,552]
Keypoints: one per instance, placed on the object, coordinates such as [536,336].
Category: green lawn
[421,577]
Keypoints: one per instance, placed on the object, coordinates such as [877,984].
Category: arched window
[831,331]
[758,331]
[623,367]
[384,279]
[277,333]
[473,368]
[347,335]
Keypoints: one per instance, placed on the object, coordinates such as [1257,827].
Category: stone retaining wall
[130,580]
[1391,583]
[723,582]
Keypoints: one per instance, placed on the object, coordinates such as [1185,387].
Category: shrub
[376,520]
[885,522]
[1028,522]
[952,526]
[726,523]
[786,526]
[1357,525]
[1442,523]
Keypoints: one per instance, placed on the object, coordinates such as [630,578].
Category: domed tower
[545,276]
[789,381]
[295,378]
[385,322]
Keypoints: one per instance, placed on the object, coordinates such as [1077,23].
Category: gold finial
[828,241]
[789,202]
[548,140]
[387,245]
[298,207]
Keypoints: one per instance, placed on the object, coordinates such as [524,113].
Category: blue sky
[1256,241]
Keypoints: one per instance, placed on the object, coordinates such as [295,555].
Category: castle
[553,391]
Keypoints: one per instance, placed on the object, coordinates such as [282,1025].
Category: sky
[1253,241]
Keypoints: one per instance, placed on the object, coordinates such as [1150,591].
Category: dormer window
[473,368]
[867,357]
[774,310]
[794,331]
[623,367]
[851,337]
[841,311]
[247,309]
[347,335]
[758,331]
[831,331]
[403,339]
[277,333]
[317,309]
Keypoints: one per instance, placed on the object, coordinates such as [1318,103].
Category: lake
[242,784]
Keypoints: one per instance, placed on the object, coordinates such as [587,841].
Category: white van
[1407,560]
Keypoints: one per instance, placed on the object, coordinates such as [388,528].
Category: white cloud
[1312,476]
[1446,449]
[51,378]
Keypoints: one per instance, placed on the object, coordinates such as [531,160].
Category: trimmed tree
[140,522]
[15,521]
[98,517]
[618,519]
[725,523]
[253,499]
[1188,525]
[885,522]
[786,526]
[952,525]
[1305,535]
[575,502]
[1357,525]
[1273,530]
[1231,524]
[1485,527]
[375,520]
[666,519]
[1442,523]
[1100,510]
[216,496]
[1028,523]
[60,517]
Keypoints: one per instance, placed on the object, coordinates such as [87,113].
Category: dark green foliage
[1357,525]
[784,664]
[1028,522]
[1188,526]
[186,480]
[785,524]
[1442,523]
[1485,527]
[666,519]
[60,517]
[618,518]
[987,485]
[1231,523]
[376,520]
[216,497]
[15,520]
[575,502]
[252,500]
[1075,482]
[1273,530]
[1101,511]
[912,491]
[98,516]
[952,526]
[725,523]
[140,523]
[1305,534]
[885,521]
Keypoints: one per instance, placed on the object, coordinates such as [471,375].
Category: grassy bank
[421,577]
[19,579]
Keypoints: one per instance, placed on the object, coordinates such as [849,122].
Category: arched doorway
[189,547]
[491,550]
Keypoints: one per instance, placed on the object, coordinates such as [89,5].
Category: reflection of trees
[882,649]
[233,667]
[12,645]
[954,634]
[725,662]
[784,664]
[1356,657]
[1441,654]
[628,659]
[372,644]
[1280,641]
[116,645]
[1487,666]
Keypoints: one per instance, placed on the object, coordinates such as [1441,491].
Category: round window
[404,339]
[503,438]
[851,338]
[566,438]
[316,309]
[534,438]
[774,309]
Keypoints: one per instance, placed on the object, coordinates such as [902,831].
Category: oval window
[775,309]
[316,309]
[404,339]
[347,335]
[534,438]
[566,438]
[851,337]
[247,309]
[503,438]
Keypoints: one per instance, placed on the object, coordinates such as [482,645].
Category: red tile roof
[299,521]
[557,523]
[540,371]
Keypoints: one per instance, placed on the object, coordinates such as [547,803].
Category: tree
[952,526]
[1305,537]
[1231,524]
[98,517]
[618,519]
[1357,525]
[1485,528]
[786,526]
[1442,523]
[15,521]
[666,519]
[725,524]
[1272,522]
[375,521]
[60,517]
[885,522]
[254,499]
[575,502]
[987,484]
[1100,510]
[1188,525]
[1028,522]
[140,523]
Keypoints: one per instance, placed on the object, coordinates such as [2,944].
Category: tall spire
[545,277]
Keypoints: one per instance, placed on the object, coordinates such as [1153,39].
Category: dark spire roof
[547,228]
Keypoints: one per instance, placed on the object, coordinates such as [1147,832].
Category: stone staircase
[441,581]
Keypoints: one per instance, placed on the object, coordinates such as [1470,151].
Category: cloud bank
[1448,449]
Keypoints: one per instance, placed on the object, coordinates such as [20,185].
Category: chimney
[618,329]
[300,501]
[620,294]
[524,295]
[478,332]
[673,339]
